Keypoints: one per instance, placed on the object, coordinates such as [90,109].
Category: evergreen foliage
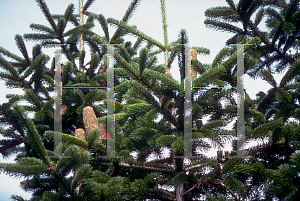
[149,111]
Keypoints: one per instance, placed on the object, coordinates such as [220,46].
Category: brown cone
[89,120]
[194,56]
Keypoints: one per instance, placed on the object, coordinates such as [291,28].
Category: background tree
[274,55]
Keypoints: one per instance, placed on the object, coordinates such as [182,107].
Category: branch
[62,181]
[168,116]
[231,192]
[266,98]
[189,190]
[191,167]
[274,3]
[160,196]
[272,92]
[142,167]
[260,148]
[134,31]
[268,43]
[126,17]
[66,52]
[198,184]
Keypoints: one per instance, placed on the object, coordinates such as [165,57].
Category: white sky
[16,15]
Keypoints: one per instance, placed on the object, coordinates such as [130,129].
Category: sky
[17,15]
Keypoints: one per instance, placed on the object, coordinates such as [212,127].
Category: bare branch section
[231,192]
[142,167]
[189,190]
[192,167]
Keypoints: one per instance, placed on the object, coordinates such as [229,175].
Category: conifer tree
[148,73]
[41,108]
[273,52]
[145,90]
[16,75]
[175,141]
[148,65]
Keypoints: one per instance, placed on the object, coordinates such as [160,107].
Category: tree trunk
[179,193]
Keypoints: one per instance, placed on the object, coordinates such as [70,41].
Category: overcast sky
[16,15]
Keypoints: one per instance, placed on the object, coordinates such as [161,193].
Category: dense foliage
[149,110]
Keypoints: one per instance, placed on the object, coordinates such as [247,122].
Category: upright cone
[194,56]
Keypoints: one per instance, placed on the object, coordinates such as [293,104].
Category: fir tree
[137,97]
[144,90]
[37,88]
[41,107]
[279,105]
